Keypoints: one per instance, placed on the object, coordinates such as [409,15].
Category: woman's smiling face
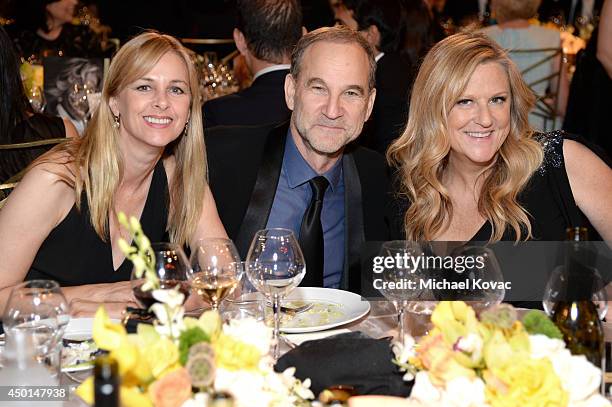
[479,121]
[154,109]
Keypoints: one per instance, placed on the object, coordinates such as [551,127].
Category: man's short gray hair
[342,35]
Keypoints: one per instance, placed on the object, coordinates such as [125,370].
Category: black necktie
[311,234]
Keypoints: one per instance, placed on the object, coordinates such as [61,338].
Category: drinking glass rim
[213,239]
[284,232]
[38,284]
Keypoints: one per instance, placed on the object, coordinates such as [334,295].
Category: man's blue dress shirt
[292,197]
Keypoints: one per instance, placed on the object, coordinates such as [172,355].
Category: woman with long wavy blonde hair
[142,153]
[470,166]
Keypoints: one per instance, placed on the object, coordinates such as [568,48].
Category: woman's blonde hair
[98,161]
[421,152]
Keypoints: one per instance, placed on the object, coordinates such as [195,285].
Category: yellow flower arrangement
[526,383]
[160,363]
[495,359]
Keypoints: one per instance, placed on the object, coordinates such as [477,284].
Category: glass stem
[401,307]
[276,311]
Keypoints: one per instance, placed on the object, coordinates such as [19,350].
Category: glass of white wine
[215,269]
[275,266]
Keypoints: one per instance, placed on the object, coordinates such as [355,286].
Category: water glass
[244,302]
[37,310]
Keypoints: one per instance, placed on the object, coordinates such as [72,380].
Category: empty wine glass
[37,308]
[171,267]
[557,286]
[215,269]
[37,100]
[244,302]
[401,282]
[275,266]
[479,266]
[77,98]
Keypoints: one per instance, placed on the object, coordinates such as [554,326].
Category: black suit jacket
[244,168]
[261,103]
[394,77]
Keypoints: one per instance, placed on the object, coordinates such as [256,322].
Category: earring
[116,124]
[185,129]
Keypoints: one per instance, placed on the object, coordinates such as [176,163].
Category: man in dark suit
[271,176]
[381,22]
[265,35]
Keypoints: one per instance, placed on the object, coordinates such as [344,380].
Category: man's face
[330,98]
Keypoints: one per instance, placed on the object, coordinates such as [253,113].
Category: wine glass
[37,100]
[477,264]
[171,268]
[77,99]
[556,290]
[275,266]
[244,302]
[401,281]
[38,309]
[215,269]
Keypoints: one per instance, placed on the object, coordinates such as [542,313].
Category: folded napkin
[347,359]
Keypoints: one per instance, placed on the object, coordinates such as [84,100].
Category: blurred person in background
[422,31]
[513,31]
[383,24]
[588,108]
[266,32]
[45,28]
[571,13]
[18,121]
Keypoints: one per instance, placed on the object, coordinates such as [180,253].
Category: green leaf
[187,339]
[536,322]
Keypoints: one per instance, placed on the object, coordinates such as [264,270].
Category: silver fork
[296,310]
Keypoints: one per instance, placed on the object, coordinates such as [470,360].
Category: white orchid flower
[173,298]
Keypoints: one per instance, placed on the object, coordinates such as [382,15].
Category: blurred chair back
[220,46]
[5,189]
[542,74]
[25,146]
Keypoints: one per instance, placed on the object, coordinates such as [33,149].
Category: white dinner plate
[79,329]
[332,308]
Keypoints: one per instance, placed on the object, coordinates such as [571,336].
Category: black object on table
[347,359]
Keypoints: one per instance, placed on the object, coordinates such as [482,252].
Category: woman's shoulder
[53,167]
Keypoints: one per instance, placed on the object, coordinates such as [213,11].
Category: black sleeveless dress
[73,254]
[547,197]
[35,128]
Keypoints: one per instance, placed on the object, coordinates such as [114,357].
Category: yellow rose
[160,355]
[438,358]
[500,349]
[231,354]
[456,319]
[528,383]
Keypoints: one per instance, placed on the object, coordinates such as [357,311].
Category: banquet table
[380,322]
